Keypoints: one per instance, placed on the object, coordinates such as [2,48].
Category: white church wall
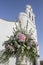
[6,29]
[23,19]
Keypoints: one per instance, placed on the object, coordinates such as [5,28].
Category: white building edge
[6,27]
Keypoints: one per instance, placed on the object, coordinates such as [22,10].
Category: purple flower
[21,37]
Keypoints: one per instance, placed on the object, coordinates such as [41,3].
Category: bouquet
[20,43]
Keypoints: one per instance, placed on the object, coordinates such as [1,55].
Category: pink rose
[21,37]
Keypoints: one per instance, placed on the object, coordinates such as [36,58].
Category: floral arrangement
[20,43]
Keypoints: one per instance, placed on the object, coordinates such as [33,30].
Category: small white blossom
[28,47]
[18,46]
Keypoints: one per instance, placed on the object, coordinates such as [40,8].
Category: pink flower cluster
[21,37]
[11,49]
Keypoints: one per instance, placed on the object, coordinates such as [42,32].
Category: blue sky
[9,9]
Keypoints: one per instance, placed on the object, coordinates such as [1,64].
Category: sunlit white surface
[6,29]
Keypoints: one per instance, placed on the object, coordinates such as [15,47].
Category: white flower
[18,46]
[28,47]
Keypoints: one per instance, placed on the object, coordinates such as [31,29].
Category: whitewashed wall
[6,29]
